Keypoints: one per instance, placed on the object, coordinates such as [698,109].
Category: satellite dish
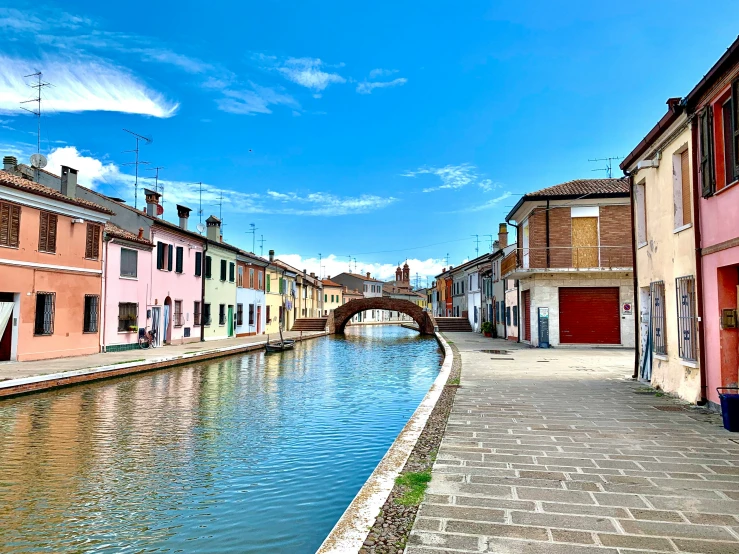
[38,160]
[201,228]
[160,209]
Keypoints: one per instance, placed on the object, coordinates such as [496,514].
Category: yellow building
[280,294]
[665,258]
[333,296]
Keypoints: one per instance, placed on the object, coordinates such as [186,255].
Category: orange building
[50,269]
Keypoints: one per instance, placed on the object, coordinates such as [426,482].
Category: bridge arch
[340,316]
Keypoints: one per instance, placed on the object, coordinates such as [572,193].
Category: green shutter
[198,264]
[708,174]
[208,267]
[169,257]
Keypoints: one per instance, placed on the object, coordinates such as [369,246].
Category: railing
[568,257]
[177,318]
[196,319]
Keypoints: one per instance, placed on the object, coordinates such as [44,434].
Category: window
[129,262]
[681,178]
[208,267]
[728,136]
[164,256]
[657,291]
[47,233]
[719,142]
[365,288]
[196,314]
[198,264]
[269,278]
[282,285]
[44,322]
[508,315]
[259,280]
[10,223]
[206,314]
[515,315]
[92,308]
[178,259]
[127,316]
[268,315]
[239,314]
[223,270]
[475,309]
[178,313]
[641,213]
[325,298]
[221,314]
[92,243]
[231,272]
[251,314]
[240,277]
[687,322]
[251,277]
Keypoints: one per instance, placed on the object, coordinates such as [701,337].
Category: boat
[284,344]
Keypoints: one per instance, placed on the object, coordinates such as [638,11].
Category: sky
[358,134]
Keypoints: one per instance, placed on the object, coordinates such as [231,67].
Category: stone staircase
[310,324]
[453,324]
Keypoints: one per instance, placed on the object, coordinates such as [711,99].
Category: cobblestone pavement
[558,452]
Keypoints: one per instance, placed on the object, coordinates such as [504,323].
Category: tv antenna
[253,232]
[156,180]
[491,241]
[446,259]
[319,264]
[609,164]
[200,202]
[477,245]
[261,245]
[139,138]
[37,112]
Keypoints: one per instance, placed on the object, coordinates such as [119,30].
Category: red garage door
[589,316]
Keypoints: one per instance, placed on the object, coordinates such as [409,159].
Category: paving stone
[657,515]
[494,530]
[578,537]
[554,475]
[712,519]
[564,521]
[445,540]
[636,542]
[636,527]
[500,503]
[623,500]
[706,547]
[428,524]
[459,512]
[554,495]
[584,509]
[583,486]
[486,490]
[498,545]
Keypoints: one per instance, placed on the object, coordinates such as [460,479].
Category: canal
[253,453]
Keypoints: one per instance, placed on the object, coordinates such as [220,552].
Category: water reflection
[247,454]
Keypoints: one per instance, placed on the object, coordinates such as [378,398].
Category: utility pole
[37,112]
[147,140]
[477,245]
[253,232]
[609,164]
[261,245]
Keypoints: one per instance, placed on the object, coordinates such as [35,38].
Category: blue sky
[382,132]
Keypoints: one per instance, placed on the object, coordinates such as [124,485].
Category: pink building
[126,284]
[715,137]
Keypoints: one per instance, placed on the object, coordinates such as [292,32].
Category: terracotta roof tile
[117,232]
[581,187]
[330,283]
[10,180]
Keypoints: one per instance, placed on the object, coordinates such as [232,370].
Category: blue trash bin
[730,407]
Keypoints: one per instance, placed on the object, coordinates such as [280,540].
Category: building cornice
[49,204]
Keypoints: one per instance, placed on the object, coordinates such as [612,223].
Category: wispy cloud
[486,205]
[311,73]
[366,87]
[254,100]
[79,86]
[375,73]
[454,177]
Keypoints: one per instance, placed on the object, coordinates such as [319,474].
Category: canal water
[253,453]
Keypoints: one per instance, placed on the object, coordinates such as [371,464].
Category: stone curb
[350,532]
[37,383]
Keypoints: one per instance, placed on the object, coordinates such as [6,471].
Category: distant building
[369,287]
[280,295]
[333,296]
[250,295]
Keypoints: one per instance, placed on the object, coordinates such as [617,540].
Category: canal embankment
[27,377]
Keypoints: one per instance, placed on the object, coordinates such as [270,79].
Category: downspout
[637,313]
[698,265]
[202,292]
[547,223]
[103,293]
[518,281]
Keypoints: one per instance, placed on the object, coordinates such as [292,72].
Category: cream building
[280,295]
[333,296]
[665,258]
[220,285]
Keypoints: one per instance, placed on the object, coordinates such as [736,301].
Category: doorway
[167,331]
[156,317]
[259,320]
[585,242]
[230,320]
[7,329]
[526,314]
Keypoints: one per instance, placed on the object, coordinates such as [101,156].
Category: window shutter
[170,251]
[178,266]
[198,264]
[231,269]
[708,175]
[735,125]
[685,187]
[51,240]
[96,242]
[208,267]
[5,224]
[223,270]
[43,232]
[160,255]
[88,242]
[15,226]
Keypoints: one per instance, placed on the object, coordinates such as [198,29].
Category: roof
[304,275]
[673,112]
[19,183]
[330,283]
[117,232]
[724,63]
[362,277]
[575,189]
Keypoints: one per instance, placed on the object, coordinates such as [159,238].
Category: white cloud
[334,264]
[308,72]
[455,177]
[79,85]
[375,73]
[91,171]
[486,205]
[366,87]
[255,100]
[186,63]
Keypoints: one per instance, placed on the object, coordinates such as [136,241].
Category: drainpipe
[637,313]
[202,292]
[698,265]
[547,220]
[103,294]
[518,281]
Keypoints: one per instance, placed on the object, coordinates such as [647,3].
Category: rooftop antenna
[416,279]
[446,259]
[156,180]
[253,232]
[609,164]
[491,241]
[355,265]
[477,245]
[37,112]
[350,263]
[319,265]
[139,138]
[200,202]
[261,245]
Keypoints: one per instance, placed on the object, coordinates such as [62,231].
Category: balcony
[524,262]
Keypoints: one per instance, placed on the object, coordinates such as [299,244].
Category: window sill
[682,228]
[727,187]
[128,278]
[689,363]
[641,245]
[89,332]
[126,332]
[46,252]
[662,357]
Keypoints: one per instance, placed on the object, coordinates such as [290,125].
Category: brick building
[573,260]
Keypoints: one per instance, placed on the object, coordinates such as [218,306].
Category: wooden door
[526,313]
[585,241]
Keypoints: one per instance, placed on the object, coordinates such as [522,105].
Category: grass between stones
[390,532]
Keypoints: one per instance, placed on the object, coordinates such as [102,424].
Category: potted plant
[487,329]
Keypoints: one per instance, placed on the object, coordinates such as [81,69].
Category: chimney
[141,232]
[443,270]
[368,275]
[9,163]
[183,212]
[69,182]
[271,255]
[152,202]
[312,274]
[503,235]
[214,228]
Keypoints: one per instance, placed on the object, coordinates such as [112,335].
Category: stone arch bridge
[338,319]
